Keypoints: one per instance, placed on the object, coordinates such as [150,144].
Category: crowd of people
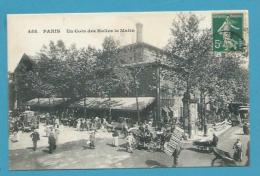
[139,135]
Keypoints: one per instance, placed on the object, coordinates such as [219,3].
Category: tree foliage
[70,72]
[222,79]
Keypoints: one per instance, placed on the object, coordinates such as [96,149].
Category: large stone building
[149,59]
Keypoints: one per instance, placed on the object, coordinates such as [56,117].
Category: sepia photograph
[128,90]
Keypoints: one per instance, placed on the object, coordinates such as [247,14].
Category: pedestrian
[85,124]
[105,123]
[56,135]
[125,129]
[176,154]
[163,138]
[92,138]
[52,142]
[147,137]
[115,138]
[237,150]
[130,142]
[214,140]
[82,124]
[248,154]
[47,130]
[78,125]
[16,134]
[57,123]
[88,124]
[35,138]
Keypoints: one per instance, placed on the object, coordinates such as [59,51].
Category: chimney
[139,28]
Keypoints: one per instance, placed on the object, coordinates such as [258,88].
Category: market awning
[115,103]
[46,102]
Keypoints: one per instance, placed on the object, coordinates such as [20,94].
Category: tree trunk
[186,111]
[158,96]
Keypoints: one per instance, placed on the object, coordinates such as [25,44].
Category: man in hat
[35,138]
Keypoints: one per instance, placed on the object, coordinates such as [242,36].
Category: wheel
[217,162]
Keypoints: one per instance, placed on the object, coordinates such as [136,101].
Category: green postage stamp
[227,32]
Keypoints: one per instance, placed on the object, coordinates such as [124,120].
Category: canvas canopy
[115,103]
[46,102]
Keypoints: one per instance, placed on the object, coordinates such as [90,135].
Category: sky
[156,30]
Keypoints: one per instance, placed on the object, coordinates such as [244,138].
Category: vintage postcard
[128,90]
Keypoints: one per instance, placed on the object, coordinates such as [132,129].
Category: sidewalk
[200,134]
[67,134]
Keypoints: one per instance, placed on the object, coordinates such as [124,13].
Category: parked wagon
[203,145]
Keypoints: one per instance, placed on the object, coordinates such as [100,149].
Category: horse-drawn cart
[224,158]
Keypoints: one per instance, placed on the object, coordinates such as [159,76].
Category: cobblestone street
[73,153]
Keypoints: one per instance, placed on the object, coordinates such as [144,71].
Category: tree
[49,78]
[231,84]
[219,79]
[188,49]
[110,74]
